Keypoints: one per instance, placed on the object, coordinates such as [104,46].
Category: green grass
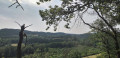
[92,56]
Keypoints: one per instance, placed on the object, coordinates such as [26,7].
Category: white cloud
[29,1]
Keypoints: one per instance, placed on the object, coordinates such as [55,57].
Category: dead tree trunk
[19,53]
[21,35]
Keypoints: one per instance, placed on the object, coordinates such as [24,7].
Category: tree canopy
[70,8]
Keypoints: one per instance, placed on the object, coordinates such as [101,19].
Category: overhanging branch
[104,20]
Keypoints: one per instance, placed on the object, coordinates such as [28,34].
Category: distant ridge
[15,32]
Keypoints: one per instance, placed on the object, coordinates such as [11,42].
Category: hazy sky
[30,15]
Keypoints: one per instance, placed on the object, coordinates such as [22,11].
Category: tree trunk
[108,52]
[117,47]
[118,54]
[19,54]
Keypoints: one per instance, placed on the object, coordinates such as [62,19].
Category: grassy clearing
[15,44]
[92,56]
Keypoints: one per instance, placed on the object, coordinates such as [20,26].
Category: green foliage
[28,50]
[38,3]
[54,16]
[106,44]
[75,54]
[7,51]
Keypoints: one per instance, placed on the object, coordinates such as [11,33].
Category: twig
[18,23]
[28,25]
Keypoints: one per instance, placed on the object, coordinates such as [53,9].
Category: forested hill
[46,44]
[15,33]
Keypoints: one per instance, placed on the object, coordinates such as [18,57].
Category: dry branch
[18,5]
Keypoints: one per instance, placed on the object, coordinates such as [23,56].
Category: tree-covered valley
[47,45]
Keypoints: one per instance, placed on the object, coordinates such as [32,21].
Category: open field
[92,56]
[15,44]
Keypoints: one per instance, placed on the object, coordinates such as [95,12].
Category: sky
[30,15]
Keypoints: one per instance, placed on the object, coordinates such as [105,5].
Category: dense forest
[47,45]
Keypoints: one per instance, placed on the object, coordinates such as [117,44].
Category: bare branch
[28,25]
[74,23]
[12,4]
[17,5]
[18,23]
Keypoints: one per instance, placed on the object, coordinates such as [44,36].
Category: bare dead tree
[18,4]
[21,36]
